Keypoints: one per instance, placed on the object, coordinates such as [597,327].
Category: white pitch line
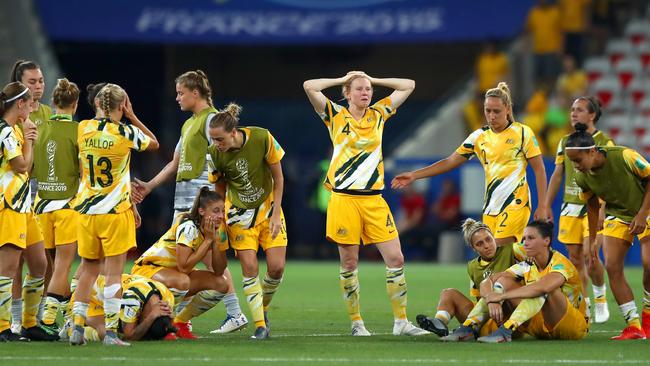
[329,360]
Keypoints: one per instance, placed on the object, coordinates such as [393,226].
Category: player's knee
[275,271]
[396,261]
[349,264]
[613,268]
[447,293]
[181,282]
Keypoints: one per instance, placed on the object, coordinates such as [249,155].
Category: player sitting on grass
[491,259]
[545,291]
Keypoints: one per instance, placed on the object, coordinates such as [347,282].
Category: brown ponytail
[197,80]
[65,94]
[202,199]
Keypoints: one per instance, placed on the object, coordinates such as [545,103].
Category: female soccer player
[504,147]
[15,163]
[545,292]
[247,166]
[491,259]
[171,260]
[190,167]
[29,73]
[145,314]
[56,169]
[106,223]
[621,178]
[357,212]
[573,231]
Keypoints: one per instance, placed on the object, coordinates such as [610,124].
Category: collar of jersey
[61,117]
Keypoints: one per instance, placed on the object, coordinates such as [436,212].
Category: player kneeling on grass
[545,291]
[172,259]
[145,315]
[491,259]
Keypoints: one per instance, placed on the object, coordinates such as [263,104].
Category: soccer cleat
[16,327]
[645,323]
[266,320]
[8,336]
[406,328]
[629,333]
[460,334]
[170,337]
[39,334]
[64,333]
[51,329]
[260,333]
[111,339]
[77,336]
[433,325]
[231,324]
[184,331]
[359,329]
[601,312]
[501,335]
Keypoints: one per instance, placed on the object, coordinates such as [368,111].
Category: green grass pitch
[309,326]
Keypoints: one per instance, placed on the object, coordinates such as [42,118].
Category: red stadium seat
[627,69]
[596,67]
[618,49]
[637,31]
[638,90]
[640,125]
[607,88]
[643,50]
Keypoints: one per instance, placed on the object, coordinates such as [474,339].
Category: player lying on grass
[491,259]
[145,314]
[172,259]
[545,292]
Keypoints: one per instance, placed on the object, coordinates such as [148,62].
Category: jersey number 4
[346,129]
[104,165]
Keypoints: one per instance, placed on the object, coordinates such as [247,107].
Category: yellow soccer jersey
[136,291]
[572,287]
[14,188]
[357,162]
[105,153]
[504,157]
[184,231]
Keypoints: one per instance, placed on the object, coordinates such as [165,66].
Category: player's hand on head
[402,180]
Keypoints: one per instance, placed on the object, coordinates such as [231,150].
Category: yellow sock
[201,302]
[53,303]
[396,288]
[79,313]
[478,314]
[32,294]
[73,285]
[526,309]
[269,287]
[5,302]
[253,293]
[91,335]
[443,316]
[630,314]
[349,283]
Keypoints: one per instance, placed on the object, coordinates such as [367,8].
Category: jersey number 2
[105,165]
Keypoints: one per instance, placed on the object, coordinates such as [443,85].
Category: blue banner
[281,21]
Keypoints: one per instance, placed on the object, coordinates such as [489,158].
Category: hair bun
[580,127]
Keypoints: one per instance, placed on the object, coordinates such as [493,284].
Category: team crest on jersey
[510,141]
[239,237]
[341,231]
[487,273]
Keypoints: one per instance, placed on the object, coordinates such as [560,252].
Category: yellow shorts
[240,238]
[34,233]
[59,227]
[621,230]
[352,219]
[508,223]
[573,325]
[573,230]
[105,235]
[146,270]
[13,228]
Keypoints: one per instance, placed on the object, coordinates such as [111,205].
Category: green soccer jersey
[56,163]
[571,189]
[247,170]
[620,182]
[194,145]
[41,115]
[479,269]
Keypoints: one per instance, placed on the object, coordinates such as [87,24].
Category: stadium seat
[640,125]
[615,125]
[638,90]
[643,50]
[618,49]
[628,69]
[644,107]
[596,67]
[644,145]
[607,88]
[637,31]
[618,106]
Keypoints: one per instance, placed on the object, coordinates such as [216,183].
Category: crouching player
[545,292]
[145,315]
[491,259]
[171,260]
